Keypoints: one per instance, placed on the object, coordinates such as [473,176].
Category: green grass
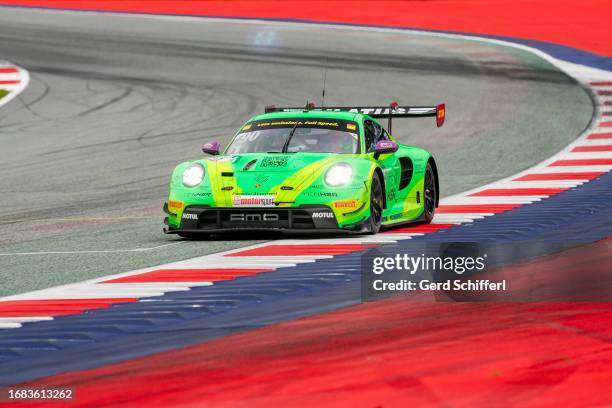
[3,93]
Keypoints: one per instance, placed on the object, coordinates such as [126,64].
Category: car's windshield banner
[319,123]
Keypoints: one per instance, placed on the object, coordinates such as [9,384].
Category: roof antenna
[324,82]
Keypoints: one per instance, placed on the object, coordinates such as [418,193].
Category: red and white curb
[585,159]
[13,79]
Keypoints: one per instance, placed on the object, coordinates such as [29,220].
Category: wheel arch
[377,170]
[434,167]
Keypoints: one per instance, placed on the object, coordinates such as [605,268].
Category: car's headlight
[193,175]
[339,175]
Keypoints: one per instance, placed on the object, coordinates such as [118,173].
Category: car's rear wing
[379,112]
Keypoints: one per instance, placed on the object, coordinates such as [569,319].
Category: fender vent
[249,165]
[406,172]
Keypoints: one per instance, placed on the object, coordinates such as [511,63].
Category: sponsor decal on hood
[253,200]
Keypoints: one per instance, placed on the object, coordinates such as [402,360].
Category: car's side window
[378,132]
[370,135]
[373,134]
[385,135]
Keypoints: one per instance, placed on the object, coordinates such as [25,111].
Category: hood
[266,173]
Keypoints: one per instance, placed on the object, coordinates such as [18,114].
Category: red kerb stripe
[604,148]
[475,208]
[560,176]
[420,228]
[581,162]
[502,192]
[295,250]
[600,136]
[188,275]
[10,82]
[55,307]
[8,70]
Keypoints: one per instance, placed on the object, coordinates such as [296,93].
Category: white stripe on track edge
[597,142]
[10,325]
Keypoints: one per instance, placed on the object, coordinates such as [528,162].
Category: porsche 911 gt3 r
[307,169]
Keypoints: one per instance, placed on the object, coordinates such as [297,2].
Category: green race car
[307,169]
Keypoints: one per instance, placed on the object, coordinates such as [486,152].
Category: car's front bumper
[204,219]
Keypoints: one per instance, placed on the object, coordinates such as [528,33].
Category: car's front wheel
[376,205]
[430,194]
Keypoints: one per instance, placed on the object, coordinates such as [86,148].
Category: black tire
[376,205]
[430,194]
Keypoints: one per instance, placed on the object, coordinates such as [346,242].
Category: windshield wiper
[286,145]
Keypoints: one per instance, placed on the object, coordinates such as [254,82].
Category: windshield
[297,135]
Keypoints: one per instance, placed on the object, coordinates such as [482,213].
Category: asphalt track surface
[115,102]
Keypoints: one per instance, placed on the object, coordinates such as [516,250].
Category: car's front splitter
[306,218]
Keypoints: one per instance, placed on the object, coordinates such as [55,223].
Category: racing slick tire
[429,194]
[376,205]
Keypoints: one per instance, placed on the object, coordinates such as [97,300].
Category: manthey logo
[254,200]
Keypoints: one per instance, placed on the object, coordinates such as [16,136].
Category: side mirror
[211,148]
[385,146]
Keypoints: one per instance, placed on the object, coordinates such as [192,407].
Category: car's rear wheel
[430,194]
[376,204]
